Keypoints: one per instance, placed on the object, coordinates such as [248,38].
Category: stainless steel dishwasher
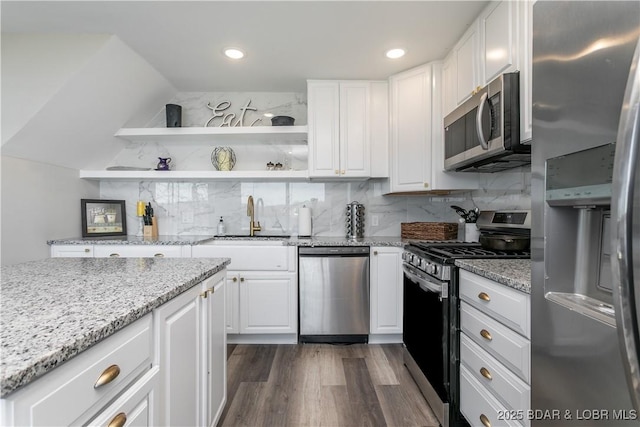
[334,294]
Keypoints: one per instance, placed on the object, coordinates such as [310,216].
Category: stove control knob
[435,269]
[429,268]
[423,264]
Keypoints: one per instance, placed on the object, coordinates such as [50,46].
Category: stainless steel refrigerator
[586,213]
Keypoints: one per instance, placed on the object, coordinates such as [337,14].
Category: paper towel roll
[304,221]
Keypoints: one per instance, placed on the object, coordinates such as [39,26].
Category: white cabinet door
[386,290]
[466,52]
[339,115]
[525,50]
[499,28]
[355,139]
[379,129]
[232,312]
[449,80]
[323,99]
[215,337]
[410,93]
[179,352]
[268,303]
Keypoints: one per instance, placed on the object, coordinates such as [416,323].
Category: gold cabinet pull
[118,420]
[87,250]
[204,294]
[108,375]
[337,172]
[485,373]
[343,172]
[485,421]
[242,279]
[426,185]
[159,255]
[375,252]
[486,335]
[484,296]
[211,290]
[235,279]
[114,255]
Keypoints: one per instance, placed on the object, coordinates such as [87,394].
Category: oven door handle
[425,283]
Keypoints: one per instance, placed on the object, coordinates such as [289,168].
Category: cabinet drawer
[479,406]
[507,305]
[71,386]
[501,342]
[133,251]
[134,406]
[71,251]
[250,258]
[509,389]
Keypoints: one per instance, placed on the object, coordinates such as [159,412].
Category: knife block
[151,230]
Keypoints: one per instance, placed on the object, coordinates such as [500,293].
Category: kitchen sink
[239,239]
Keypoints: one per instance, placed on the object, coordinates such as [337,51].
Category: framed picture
[103,218]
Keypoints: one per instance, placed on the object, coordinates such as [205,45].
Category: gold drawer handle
[485,421]
[204,294]
[486,335]
[114,255]
[159,255]
[485,373]
[212,290]
[484,296]
[118,420]
[108,375]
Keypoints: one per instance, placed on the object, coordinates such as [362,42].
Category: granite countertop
[198,240]
[55,308]
[131,240]
[515,273]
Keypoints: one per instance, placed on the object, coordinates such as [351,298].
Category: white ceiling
[286,42]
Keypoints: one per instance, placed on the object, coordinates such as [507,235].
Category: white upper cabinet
[467,64]
[498,39]
[417,146]
[346,121]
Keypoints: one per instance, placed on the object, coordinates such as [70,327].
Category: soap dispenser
[221,227]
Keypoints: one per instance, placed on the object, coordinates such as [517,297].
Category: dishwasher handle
[333,251]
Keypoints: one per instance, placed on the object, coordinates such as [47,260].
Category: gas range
[437,258]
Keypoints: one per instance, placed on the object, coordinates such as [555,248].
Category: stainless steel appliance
[483,134]
[431,309]
[334,294]
[582,60]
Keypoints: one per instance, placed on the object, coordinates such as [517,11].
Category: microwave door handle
[623,242]
[483,141]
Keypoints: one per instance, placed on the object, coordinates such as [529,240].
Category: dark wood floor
[322,385]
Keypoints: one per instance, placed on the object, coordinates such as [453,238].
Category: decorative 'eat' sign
[227,119]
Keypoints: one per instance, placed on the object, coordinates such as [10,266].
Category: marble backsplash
[194,208]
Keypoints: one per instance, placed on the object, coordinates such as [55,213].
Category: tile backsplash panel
[194,208]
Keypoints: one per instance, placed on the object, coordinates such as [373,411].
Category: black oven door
[426,327]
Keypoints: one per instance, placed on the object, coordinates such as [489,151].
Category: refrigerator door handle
[626,295]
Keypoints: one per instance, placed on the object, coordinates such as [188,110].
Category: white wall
[39,202]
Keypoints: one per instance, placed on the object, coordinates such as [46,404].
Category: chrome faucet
[253,225]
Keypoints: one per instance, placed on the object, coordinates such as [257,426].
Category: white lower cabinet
[191,355]
[262,299]
[124,251]
[386,291]
[495,352]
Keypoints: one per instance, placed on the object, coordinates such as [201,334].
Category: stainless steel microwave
[483,134]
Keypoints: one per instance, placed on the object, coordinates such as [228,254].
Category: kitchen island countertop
[54,309]
[515,273]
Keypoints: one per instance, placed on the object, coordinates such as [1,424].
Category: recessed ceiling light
[395,53]
[233,53]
